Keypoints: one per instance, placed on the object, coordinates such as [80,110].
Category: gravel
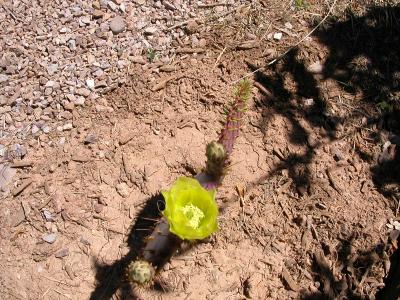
[60,56]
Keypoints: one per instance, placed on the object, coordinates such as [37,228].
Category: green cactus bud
[215,152]
[140,272]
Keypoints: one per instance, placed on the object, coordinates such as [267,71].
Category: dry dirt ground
[308,209]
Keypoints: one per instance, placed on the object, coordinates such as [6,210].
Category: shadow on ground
[364,59]
[111,278]
[352,267]
[392,282]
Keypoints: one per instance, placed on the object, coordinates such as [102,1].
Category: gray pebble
[49,238]
[150,30]
[80,101]
[3,78]
[91,138]
[83,92]
[47,215]
[62,253]
[98,73]
[46,129]
[117,24]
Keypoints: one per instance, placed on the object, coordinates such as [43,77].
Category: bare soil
[304,206]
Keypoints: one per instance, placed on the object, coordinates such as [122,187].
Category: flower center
[194,215]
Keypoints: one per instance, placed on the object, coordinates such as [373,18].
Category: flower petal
[190,209]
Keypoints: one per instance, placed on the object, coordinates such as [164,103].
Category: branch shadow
[287,104]
[364,53]
[352,268]
[111,278]
[364,58]
[391,290]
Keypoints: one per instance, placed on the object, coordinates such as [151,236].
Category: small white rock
[3,78]
[112,5]
[288,25]
[3,150]
[51,69]
[47,215]
[79,101]
[150,30]
[123,189]
[50,83]
[98,73]
[308,102]
[46,129]
[386,145]
[70,97]
[396,225]
[278,36]
[72,44]
[122,7]
[67,126]
[49,238]
[316,67]
[35,129]
[91,58]
[120,64]
[85,20]
[90,83]
[83,92]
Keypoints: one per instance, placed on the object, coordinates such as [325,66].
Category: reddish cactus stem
[234,120]
[216,165]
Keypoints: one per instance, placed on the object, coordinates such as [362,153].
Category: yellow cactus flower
[190,209]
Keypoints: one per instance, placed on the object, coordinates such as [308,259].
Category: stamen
[194,215]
